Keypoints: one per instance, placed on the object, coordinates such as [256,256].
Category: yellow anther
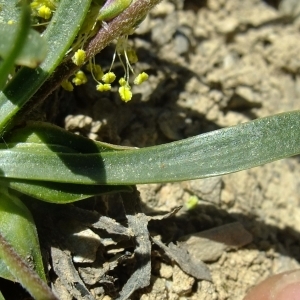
[79,78]
[109,77]
[122,81]
[141,78]
[10,22]
[79,57]
[103,87]
[125,93]
[44,12]
[38,3]
[67,85]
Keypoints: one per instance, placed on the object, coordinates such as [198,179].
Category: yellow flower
[103,87]
[79,57]
[79,78]
[142,77]
[109,77]
[122,81]
[125,93]
[44,12]
[49,3]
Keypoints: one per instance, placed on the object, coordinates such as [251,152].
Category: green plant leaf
[41,133]
[9,11]
[59,36]
[23,273]
[32,52]
[18,35]
[48,134]
[18,228]
[55,192]
[219,152]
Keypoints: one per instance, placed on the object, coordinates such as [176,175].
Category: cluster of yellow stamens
[79,78]
[43,8]
[79,57]
[125,90]
[107,79]
[126,54]
[104,80]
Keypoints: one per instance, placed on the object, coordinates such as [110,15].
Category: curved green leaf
[18,228]
[23,272]
[55,192]
[58,139]
[44,133]
[219,152]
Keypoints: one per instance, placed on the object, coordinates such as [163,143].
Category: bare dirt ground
[212,64]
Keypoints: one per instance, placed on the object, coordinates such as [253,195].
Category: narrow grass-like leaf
[219,152]
[18,228]
[48,134]
[55,192]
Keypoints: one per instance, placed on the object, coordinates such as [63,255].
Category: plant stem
[120,25]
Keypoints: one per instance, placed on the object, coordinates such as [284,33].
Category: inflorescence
[43,9]
[127,57]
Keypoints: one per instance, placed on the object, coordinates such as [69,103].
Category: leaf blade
[216,153]
[54,192]
[18,228]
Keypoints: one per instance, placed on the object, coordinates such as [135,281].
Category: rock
[207,189]
[182,283]
[209,245]
[228,25]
